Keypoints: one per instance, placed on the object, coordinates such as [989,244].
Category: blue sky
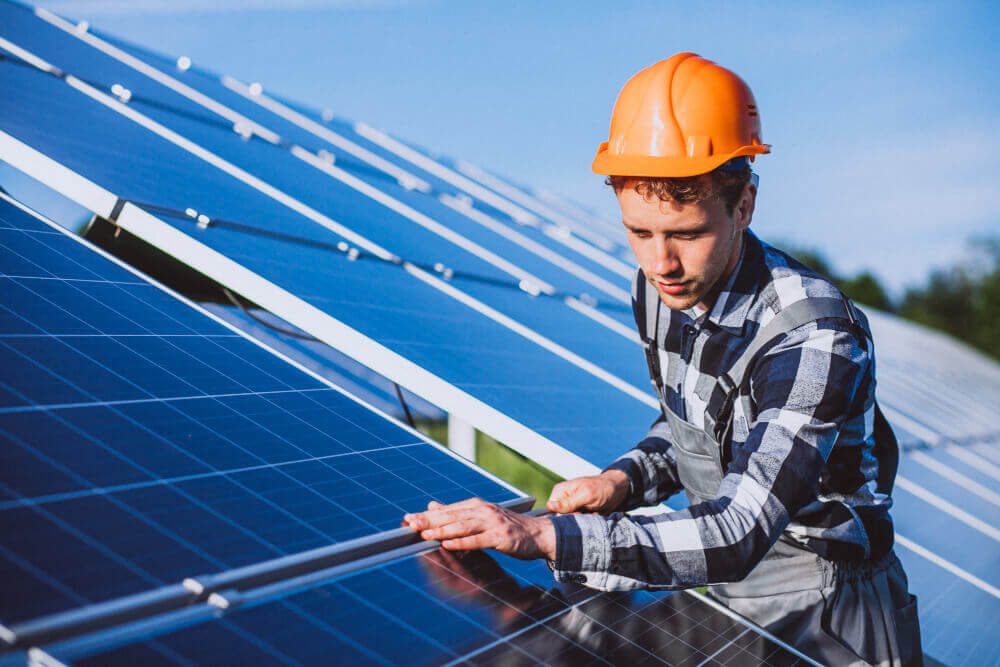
[883,119]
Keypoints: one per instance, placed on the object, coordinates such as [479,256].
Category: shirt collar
[738,294]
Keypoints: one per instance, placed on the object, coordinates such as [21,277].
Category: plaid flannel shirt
[801,464]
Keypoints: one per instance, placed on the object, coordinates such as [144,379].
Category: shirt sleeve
[650,468]
[803,388]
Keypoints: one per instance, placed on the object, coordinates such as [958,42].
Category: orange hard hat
[682,116]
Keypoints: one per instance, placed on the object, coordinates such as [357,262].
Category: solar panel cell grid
[326,361]
[144,442]
[437,608]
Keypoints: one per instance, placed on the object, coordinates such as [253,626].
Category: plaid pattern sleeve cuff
[583,549]
[627,465]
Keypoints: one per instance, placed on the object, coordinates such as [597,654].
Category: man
[765,374]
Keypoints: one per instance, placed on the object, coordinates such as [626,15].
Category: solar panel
[436,609]
[374,206]
[145,442]
[451,331]
[914,363]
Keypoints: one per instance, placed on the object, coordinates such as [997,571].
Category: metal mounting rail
[286,567]
[316,564]
[97,616]
[53,654]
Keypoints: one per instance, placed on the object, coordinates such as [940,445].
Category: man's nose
[665,260]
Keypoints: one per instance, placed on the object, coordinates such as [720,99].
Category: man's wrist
[544,534]
[622,485]
[617,476]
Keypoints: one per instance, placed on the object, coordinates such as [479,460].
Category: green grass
[502,461]
[518,470]
[435,430]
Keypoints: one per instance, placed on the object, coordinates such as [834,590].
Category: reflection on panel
[439,608]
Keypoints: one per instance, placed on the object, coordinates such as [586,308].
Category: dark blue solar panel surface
[436,608]
[142,441]
[326,361]
[503,369]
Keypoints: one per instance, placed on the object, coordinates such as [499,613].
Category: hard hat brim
[609,164]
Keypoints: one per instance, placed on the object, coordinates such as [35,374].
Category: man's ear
[743,213]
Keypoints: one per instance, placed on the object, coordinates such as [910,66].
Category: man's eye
[686,237]
[641,235]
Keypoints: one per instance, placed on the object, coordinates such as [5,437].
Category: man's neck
[706,304]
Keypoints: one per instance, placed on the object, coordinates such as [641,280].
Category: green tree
[963,301]
[865,288]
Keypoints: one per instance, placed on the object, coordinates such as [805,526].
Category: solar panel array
[146,443]
[503,306]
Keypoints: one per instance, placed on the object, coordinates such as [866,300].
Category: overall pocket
[698,459]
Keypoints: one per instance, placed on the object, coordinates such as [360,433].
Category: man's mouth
[672,288]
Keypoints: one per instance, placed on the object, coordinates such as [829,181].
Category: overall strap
[647,320]
[792,317]
[885,450]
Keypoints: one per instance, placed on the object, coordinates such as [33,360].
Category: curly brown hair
[726,185]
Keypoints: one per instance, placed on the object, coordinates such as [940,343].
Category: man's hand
[602,493]
[477,524]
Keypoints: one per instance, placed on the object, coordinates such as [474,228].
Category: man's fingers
[431,518]
[443,514]
[469,543]
[577,494]
[452,530]
[562,492]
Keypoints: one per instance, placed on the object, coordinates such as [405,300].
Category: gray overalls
[838,612]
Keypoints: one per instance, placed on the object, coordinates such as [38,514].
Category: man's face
[686,251]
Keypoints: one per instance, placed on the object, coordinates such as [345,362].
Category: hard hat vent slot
[699,146]
[751,109]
